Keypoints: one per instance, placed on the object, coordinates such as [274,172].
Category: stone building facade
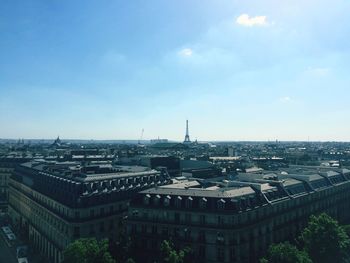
[55,203]
[7,166]
[236,220]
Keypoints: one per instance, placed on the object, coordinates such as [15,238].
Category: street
[6,253]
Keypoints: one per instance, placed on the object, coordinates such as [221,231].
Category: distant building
[231,152]
[57,142]
[54,203]
[159,141]
[199,169]
[171,163]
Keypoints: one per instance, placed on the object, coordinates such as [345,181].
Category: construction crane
[141,136]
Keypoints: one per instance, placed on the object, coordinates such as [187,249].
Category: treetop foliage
[325,240]
[88,250]
[285,253]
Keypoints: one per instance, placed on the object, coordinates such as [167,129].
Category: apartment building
[7,166]
[236,220]
[54,203]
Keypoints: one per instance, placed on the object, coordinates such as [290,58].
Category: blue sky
[238,70]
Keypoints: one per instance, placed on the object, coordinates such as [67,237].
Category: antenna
[139,142]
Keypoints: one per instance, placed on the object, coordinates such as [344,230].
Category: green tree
[87,250]
[285,253]
[347,229]
[325,240]
[170,255]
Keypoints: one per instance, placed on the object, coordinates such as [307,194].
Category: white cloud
[186,52]
[285,99]
[245,20]
[318,71]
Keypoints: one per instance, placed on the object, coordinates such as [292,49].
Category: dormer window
[203,203]
[146,199]
[178,202]
[221,204]
[114,184]
[94,186]
[189,202]
[157,199]
[167,200]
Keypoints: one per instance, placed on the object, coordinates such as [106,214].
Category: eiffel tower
[187,136]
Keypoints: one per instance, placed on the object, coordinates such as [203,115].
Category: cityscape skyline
[174,131]
[254,71]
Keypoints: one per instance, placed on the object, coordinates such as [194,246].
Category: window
[165,231]
[220,220]
[154,244]
[202,219]
[156,199]
[189,202]
[145,215]
[178,202]
[102,227]
[111,224]
[176,232]
[133,229]
[220,238]
[201,252]
[92,212]
[111,209]
[146,199]
[232,254]
[188,218]
[220,254]
[177,217]
[201,236]
[221,204]
[165,215]
[92,230]
[102,211]
[187,233]
[76,232]
[167,200]
[203,203]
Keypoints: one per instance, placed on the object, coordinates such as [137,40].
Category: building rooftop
[76,184]
[257,188]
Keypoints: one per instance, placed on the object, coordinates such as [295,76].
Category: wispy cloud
[318,71]
[185,52]
[285,99]
[246,20]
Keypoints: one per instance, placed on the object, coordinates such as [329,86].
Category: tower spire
[187,136]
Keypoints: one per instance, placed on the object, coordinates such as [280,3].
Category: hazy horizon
[238,71]
[49,140]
